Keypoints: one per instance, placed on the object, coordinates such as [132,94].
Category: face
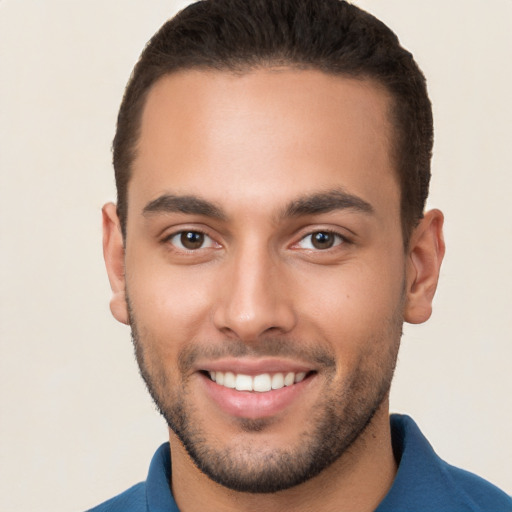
[264,274]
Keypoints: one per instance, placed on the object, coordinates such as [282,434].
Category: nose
[254,299]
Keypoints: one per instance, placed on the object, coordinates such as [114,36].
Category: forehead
[267,133]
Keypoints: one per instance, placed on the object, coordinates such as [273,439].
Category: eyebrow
[324,202]
[169,203]
[313,204]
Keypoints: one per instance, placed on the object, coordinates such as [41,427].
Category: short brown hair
[332,36]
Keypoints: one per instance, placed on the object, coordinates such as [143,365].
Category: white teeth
[229,380]
[277,381]
[299,377]
[289,379]
[260,383]
[243,382]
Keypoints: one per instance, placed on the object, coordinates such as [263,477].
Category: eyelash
[182,232]
[339,239]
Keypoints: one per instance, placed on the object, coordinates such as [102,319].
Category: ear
[113,253]
[425,255]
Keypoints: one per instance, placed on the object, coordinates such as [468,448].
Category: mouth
[260,383]
[248,391]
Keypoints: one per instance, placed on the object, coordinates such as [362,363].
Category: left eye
[320,240]
[191,240]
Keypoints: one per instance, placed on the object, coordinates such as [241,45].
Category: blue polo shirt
[423,483]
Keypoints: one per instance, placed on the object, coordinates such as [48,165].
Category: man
[272,161]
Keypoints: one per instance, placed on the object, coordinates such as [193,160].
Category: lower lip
[252,404]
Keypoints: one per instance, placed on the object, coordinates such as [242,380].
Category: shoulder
[426,483]
[152,494]
[131,500]
[481,493]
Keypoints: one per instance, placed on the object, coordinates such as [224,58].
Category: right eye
[191,240]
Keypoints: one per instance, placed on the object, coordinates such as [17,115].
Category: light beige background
[76,426]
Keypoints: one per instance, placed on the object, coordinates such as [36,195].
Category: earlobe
[426,252]
[113,253]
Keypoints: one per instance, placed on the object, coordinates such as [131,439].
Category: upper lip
[255,366]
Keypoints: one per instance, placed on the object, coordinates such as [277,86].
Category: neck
[356,482]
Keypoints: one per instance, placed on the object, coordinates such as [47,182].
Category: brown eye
[191,240]
[321,240]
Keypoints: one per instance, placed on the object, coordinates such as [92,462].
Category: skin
[258,291]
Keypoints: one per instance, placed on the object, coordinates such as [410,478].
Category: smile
[256,389]
[260,383]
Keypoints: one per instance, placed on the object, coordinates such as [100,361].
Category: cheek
[356,308]
[168,302]
[354,293]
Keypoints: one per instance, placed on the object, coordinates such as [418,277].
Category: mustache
[317,356]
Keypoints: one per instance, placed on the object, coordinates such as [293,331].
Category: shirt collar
[423,481]
[158,492]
